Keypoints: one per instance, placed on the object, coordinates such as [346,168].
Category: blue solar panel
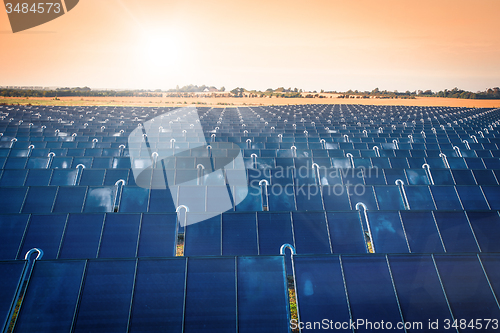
[492,194]
[38,177]
[158,235]
[211,295]
[239,234]
[419,198]
[69,199]
[311,233]
[266,301]
[99,199]
[159,293]
[466,287]
[387,232]
[309,198]
[484,177]
[14,177]
[249,198]
[336,198]
[82,236]
[106,296]
[203,238]
[44,232]
[492,268]
[362,194]
[63,177]
[421,231]
[389,198]
[39,200]
[417,176]
[11,199]
[53,285]
[456,232]
[281,198]
[346,232]
[162,201]
[320,290]
[274,230]
[446,198]
[120,236]
[134,199]
[472,198]
[486,228]
[419,290]
[12,228]
[370,289]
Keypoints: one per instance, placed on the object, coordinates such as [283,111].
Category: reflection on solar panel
[418,186]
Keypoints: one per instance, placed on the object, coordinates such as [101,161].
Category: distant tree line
[492,93]
[281,92]
[76,92]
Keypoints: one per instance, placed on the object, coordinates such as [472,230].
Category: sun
[160,51]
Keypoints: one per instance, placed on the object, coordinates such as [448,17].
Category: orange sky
[332,45]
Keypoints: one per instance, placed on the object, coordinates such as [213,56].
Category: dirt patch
[246,101]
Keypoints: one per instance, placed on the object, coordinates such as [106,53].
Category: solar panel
[134,199]
[158,235]
[69,199]
[389,198]
[490,264]
[12,198]
[12,228]
[203,238]
[387,232]
[455,232]
[309,198]
[421,297]
[266,301]
[120,236]
[211,295]
[419,198]
[82,236]
[44,232]
[320,289]
[311,233]
[53,285]
[159,294]
[370,289]
[346,232]
[106,296]
[486,228]
[239,234]
[466,287]
[99,199]
[445,198]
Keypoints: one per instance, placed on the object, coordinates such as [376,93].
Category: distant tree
[222,89]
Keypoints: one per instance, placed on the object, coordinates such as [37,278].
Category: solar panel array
[393,213]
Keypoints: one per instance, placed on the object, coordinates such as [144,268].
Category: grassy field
[233,101]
